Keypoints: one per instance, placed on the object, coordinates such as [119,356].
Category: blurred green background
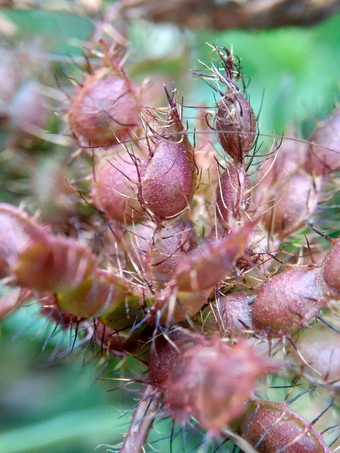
[50,401]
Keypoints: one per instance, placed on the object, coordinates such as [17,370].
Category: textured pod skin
[234,118]
[208,264]
[114,189]
[170,243]
[294,201]
[104,109]
[97,294]
[232,196]
[212,381]
[330,274]
[164,354]
[320,348]
[288,301]
[17,229]
[273,427]
[320,161]
[235,312]
[168,178]
[53,263]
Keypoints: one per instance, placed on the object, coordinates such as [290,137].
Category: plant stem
[141,422]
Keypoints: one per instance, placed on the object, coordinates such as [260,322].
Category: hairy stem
[141,422]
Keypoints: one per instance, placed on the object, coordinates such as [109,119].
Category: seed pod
[208,264]
[171,242]
[235,312]
[53,263]
[236,125]
[288,301]
[232,196]
[294,202]
[272,427]
[168,177]
[104,108]
[212,381]
[95,295]
[320,348]
[320,161]
[114,188]
[17,229]
[164,354]
[330,273]
[28,111]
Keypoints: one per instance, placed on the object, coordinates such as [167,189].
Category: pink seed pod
[171,242]
[232,196]
[210,263]
[273,427]
[17,229]
[293,202]
[104,108]
[330,273]
[212,382]
[114,188]
[323,158]
[319,347]
[235,314]
[139,242]
[168,177]
[236,125]
[288,301]
[28,110]
[53,263]
[164,353]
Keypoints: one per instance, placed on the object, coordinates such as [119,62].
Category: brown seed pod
[168,177]
[171,242]
[104,108]
[17,230]
[272,427]
[114,188]
[164,354]
[330,273]
[236,125]
[53,263]
[232,196]
[235,310]
[319,347]
[293,202]
[207,265]
[288,301]
[212,382]
[320,161]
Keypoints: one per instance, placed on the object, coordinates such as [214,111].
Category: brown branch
[238,14]
[141,422]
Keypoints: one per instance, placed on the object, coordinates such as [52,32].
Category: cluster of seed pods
[188,268]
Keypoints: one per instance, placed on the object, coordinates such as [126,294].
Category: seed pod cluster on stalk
[192,253]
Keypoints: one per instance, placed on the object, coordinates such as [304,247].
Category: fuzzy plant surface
[188,258]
